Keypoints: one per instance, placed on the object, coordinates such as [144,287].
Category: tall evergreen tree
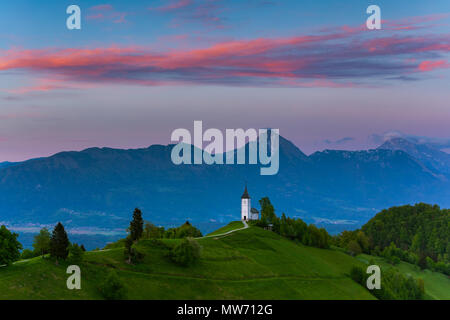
[136,225]
[59,243]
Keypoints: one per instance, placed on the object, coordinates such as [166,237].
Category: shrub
[27,254]
[358,275]
[75,253]
[112,287]
[443,267]
[394,285]
[354,248]
[395,260]
[186,252]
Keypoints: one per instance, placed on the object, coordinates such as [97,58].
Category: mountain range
[94,191]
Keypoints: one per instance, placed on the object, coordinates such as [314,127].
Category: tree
[132,254]
[186,252]
[128,249]
[75,253]
[418,232]
[59,243]
[41,242]
[153,232]
[112,288]
[83,248]
[187,230]
[363,241]
[136,225]
[354,248]
[267,210]
[27,254]
[9,246]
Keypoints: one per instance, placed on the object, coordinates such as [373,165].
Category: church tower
[245,206]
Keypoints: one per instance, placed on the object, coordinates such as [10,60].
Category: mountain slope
[434,159]
[6,164]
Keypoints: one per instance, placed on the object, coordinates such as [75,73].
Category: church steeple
[245,194]
[245,205]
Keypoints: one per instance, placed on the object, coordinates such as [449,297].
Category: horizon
[386,137]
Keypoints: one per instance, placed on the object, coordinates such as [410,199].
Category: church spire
[245,195]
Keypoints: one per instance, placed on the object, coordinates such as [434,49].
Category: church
[247,212]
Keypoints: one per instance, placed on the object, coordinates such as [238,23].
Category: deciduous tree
[9,246]
[41,242]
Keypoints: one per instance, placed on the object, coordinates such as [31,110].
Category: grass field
[437,285]
[247,264]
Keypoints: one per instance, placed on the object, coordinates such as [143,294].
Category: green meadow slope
[234,225]
[247,264]
[437,285]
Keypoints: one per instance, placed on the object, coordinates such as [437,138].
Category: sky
[137,70]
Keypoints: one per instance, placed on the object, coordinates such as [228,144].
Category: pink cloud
[432,65]
[98,16]
[106,12]
[102,7]
[328,59]
[413,22]
[173,5]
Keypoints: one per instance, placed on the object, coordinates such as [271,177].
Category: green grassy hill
[437,285]
[229,227]
[247,264]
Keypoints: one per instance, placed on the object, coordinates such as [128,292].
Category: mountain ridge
[433,158]
[100,186]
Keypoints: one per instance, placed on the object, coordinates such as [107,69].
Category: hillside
[247,264]
[422,229]
[437,285]
[235,225]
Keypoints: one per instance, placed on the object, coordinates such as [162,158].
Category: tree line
[291,228]
[394,285]
[184,253]
[416,234]
[56,244]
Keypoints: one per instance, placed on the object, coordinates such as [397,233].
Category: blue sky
[139,69]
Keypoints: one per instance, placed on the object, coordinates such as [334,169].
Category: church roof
[245,195]
[253,210]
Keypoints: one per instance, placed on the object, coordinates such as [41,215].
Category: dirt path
[225,233]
